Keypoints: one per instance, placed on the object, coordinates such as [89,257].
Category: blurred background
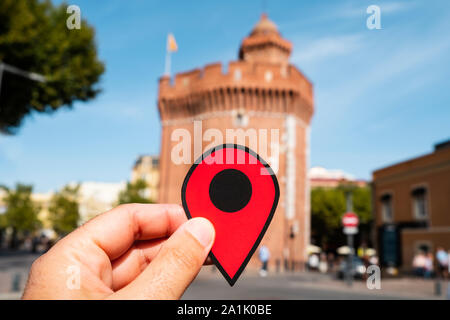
[86,113]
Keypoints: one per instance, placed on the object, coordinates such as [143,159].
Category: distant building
[94,198]
[147,168]
[412,206]
[324,178]
[2,201]
[42,200]
[97,197]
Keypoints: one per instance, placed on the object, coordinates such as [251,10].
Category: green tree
[21,212]
[3,225]
[34,37]
[327,207]
[362,205]
[64,210]
[2,222]
[3,190]
[134,193]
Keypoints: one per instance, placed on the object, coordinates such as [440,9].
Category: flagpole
[170,47]
[167,64]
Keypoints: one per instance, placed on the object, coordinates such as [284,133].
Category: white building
[326,178]
[97,197]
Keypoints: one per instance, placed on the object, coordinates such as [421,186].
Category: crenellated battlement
[261,80]
[242,85]
[238,73]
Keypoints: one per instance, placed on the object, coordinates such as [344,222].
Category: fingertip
[202,230]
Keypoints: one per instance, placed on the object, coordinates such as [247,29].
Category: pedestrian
[442,260]
[429,265]
[313,262]
[419,264]
[323,264]
[331,260]
[264,256]
[448,263]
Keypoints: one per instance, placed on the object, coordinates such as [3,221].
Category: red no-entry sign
[350,219]
[350,222]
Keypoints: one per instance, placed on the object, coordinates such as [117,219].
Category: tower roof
[265,44]
[265,26]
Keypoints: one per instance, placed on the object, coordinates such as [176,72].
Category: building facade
[412,207]
[320,177]
[260,97]
[95,198]
[146,168]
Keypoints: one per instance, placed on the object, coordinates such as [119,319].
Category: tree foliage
[362,204]
[34,37]
[21,212]
[3,223]
[327,207]
[64,210]
[134,193]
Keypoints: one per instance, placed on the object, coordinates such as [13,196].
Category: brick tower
[261,90]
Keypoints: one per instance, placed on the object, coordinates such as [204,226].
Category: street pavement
[14,268]
[210,284]
[305,286]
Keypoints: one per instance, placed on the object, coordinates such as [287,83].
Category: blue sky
[381,96]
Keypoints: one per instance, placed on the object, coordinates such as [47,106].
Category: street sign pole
[349,242]
[350,260]
[29,75]
[1,76]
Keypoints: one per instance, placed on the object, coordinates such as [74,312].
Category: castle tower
[261,93]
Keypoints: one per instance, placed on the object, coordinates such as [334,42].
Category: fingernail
[202,230]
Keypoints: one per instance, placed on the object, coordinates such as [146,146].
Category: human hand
[134,251]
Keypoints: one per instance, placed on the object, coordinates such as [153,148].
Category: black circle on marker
[230,190]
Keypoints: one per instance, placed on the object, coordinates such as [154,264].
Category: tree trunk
[13,240]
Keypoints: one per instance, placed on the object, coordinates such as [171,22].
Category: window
[268,76]
[237,75]
[419,196]
[241,119]
[386,208]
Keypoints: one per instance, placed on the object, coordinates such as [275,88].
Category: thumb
[176,265]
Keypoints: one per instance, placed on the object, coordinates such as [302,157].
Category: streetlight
[29,75]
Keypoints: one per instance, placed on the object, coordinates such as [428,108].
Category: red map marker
[235,189]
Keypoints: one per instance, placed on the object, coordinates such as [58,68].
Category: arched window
[419,203]
[387,212]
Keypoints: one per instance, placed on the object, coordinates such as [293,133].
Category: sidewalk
[407,288]
[14,269]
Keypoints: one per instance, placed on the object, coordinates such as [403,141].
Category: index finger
[115,231]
